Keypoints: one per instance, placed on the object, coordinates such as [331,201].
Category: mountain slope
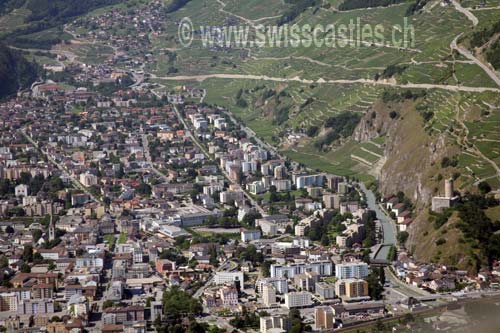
[15,71]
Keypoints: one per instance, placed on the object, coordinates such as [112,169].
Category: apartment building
[297,299]
[349,270]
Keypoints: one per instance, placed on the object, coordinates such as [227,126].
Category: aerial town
[131,206]
[126,198]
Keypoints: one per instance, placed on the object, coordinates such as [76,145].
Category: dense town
[113,205]
[127,210]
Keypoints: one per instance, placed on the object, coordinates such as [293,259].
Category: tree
[143,189]
[391,255]
[402,237]
[55,319]
[382,276]
[4,262]
[25,268]
[37,234]
[249,218]
[375,289]
[266,269]
[379,326]
[107,304]
[297,326]
[178,304]
[484,187]
[9,229]
[213,257]
[27,253]
[408,318]
[325,241]
[52,266]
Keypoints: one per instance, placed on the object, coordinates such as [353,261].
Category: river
[389,234]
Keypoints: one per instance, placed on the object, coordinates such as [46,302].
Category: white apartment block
[358,270]
[323,268]
[228,277]
[268,295]
[297,299]
[250,235]
[280,284]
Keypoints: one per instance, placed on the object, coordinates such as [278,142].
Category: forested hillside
[62,10]
[15,71]
[8,5]
[355,4]
[46,14]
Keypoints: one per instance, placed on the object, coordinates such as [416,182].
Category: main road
[75,181]
[147,155]
[207,155]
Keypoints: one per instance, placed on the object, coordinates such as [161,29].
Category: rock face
[412,159]
[375,123]
[411,155]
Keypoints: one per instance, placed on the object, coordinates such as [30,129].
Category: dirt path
[483,8]
[317,62]
[323,81]
[466,12]
[470,56]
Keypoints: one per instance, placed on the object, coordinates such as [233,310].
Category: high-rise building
[324,318]
[297,299]
[350,270]
[274,324]
[280,284]
[268,295]
[323,268]
[280,172]
[331,201]
[332,182]
[229,277]
[325,290]
[351,288]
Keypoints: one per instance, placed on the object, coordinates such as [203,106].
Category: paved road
[466,12]
[470,56]
[251,134]
[60,167]
[389,233]
[402,287]
[207,155]
[145,146]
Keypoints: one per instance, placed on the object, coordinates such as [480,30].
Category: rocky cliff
[413,165]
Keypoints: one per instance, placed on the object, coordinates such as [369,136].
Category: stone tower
[448,188]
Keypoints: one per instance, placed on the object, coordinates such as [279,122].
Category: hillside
[15,71]
[404,117]
[26,18]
